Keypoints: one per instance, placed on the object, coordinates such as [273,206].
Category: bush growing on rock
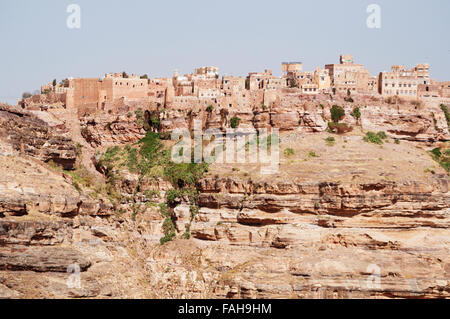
[150,159]
[139,117]
[373,138]
[168,225]
[337,113]
[356,113]
[442,157]
[444,109]
[235,122]
[382,135]
[330,141]
[289,152]
[312,154]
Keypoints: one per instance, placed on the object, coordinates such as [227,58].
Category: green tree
[356,113]
[235,122]
[337,113]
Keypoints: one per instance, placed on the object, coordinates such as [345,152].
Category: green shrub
[155,122]
[152,193]
[168,225]
[173,196]
[184,174]
[337,113]
[312,154]
[131,158]
[235,122]
[187,233]
[444,109]
[356,113]
[289,152]
[109,156]
[139,117]
[442,157]
[209,109]
[371,137]
[382,135]
[436,153]
[330,141]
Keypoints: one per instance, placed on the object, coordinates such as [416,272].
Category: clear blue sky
[239,36]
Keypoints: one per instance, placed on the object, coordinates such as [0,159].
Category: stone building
[403,82]
[348,76]
[260,81]
[444,89]
[204,87]
[322,79]
[232,85]
[428,91]
[91,94]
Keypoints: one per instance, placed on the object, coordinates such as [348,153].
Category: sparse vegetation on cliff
[330,141]
[356,113]
[312,154]
[150,159]
[289,152]
[168,225]
[337,113]
[442,157]
[234,122]
[444,109]
[139,117]
[375,138]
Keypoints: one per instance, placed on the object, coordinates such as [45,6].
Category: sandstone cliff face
[306,240]
[111,129]
[252,238]
[407,122]
[28,133]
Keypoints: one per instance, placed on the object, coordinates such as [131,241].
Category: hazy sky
[238,36]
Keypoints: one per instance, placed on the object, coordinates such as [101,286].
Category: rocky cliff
[343,220]
[406,120]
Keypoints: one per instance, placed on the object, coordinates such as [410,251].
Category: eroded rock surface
[356,221]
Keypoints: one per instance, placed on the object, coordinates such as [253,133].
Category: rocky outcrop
[328,240]
[405,121]
[36,135]
[112,129]
[423,125]
[379,235]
